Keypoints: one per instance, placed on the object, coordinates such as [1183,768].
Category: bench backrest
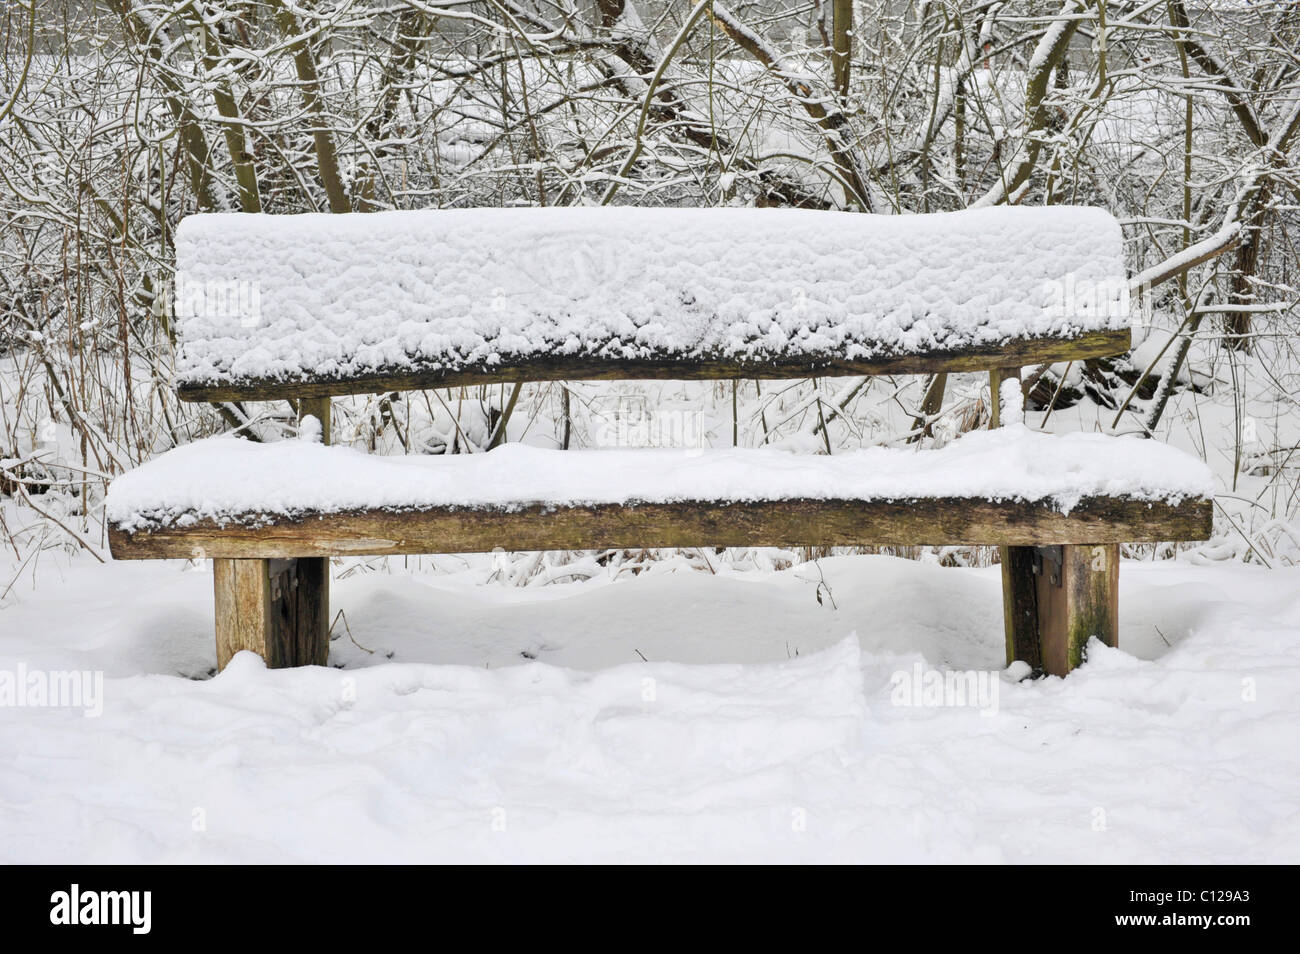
[316,305]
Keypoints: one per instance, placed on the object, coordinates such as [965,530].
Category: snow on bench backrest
[262,298]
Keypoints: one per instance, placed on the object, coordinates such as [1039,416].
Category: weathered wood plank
[1017,352]
[1077,599]
[930,521]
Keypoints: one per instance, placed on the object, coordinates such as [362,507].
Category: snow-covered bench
[307,307]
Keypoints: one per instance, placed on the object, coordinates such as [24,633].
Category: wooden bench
[400,301]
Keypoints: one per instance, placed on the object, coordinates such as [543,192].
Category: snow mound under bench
[278,298]
[228,480]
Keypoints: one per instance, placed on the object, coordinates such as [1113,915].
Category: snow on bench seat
[227,481]
[264,298]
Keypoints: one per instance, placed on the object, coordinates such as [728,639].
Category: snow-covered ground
[674,715]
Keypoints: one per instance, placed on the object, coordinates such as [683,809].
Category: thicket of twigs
[118,118]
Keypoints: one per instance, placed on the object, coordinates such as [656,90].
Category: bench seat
[226,497]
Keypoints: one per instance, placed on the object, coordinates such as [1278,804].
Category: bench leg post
[1055,599]
[1077,601]
[278,609]
[242,589]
